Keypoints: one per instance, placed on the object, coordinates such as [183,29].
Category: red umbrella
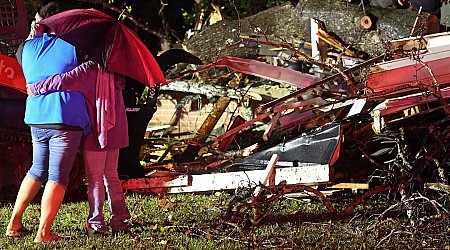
[108,42]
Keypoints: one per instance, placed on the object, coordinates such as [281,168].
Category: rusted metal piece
[159,182]
[399,109]
[399,104]
[208,182]
[365,195]
[277,192]
[299,105]
[242,211]
[267,71]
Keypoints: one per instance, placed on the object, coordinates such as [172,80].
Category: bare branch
[129,16]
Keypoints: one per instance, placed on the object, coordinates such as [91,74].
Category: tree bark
[293,24]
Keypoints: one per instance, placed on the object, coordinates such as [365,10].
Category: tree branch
[129,16]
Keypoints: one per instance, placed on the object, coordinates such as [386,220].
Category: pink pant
[101,172]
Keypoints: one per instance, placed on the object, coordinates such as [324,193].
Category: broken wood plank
[324,36]
[351,185]
[271,126]
[224,145]
[430,42]
[268,172]
[205,130]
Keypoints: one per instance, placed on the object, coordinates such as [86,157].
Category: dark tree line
[169,19]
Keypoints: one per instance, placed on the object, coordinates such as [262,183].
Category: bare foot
[47,238]
[13,227]
[16,231]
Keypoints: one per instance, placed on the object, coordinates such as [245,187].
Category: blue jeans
[54,153]
[101,173]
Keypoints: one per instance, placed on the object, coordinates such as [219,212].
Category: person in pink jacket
[103,93]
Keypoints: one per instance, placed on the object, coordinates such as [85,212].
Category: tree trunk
[293,24]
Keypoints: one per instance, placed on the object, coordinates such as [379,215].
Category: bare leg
[51,201]
[27,191]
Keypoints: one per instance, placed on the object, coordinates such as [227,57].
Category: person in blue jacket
[58,120]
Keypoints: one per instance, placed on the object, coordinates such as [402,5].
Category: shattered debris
[368,113]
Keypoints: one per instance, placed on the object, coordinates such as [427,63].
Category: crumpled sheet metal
[264,70]
[400,75]
[320,147]
[391,106]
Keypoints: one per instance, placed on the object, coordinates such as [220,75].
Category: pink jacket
[108,129]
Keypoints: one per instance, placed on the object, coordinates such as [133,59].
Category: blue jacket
[43,57]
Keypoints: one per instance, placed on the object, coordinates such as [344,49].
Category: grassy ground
[191,221]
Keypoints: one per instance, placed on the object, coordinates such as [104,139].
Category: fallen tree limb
[438,187]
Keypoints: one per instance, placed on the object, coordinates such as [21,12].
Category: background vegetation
[173,21]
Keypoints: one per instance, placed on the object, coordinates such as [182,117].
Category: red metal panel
[264,70]
[403,74]
[399,104]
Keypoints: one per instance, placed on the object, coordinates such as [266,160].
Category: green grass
[190,221]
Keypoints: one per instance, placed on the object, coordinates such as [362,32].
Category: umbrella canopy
[108,42]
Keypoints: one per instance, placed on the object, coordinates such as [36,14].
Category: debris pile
[350,119]
[337,98]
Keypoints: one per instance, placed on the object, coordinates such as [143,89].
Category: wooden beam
[205,130]
[351,185]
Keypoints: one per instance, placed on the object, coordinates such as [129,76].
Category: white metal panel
[229,181]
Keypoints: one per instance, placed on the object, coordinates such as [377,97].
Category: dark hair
[50,9]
